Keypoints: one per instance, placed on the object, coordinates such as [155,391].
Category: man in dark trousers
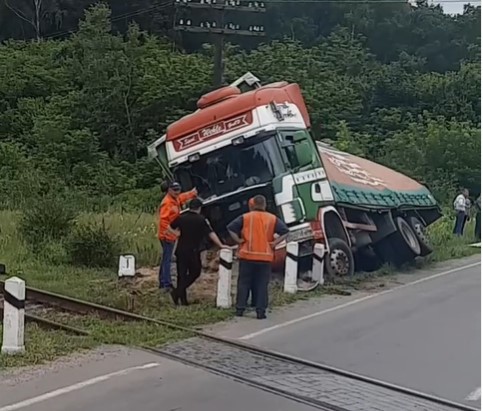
[255,233]
[191,228]
[478,218]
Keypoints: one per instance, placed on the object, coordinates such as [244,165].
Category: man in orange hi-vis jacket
[255,233]
[169,210]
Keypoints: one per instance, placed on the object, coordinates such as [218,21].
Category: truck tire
[420,231]
[408,237]
[339,261]
[400,247]
[367,260]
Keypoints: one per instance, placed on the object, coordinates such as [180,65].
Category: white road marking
[474,395]
[352,302]
[75,387]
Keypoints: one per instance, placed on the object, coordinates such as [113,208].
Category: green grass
[42,346]
[48,270]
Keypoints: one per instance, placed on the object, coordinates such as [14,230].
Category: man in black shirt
[191,228]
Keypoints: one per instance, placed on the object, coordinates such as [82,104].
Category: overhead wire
[169,3]
[116,18]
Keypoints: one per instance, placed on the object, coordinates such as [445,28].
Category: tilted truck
[239,144]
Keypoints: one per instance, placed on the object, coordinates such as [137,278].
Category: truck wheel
[408,237]
[399,247]
[339,261]
[420,231]
[366,260]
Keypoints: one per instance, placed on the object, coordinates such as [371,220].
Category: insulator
[188,22]
[202,24]
[181,22]
[237,27]
[250,28]
[262,28]
[250,4]
[213,24]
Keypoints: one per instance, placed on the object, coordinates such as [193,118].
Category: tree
[34,13]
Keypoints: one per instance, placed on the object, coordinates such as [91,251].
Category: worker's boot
[184,298]
[174,296]
[239,313]
[261,315]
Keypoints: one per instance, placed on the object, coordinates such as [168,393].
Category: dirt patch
[204,289]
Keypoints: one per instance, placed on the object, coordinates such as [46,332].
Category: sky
[456,7]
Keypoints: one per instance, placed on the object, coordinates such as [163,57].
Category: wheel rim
[419,230]
[339,262]
[409,237]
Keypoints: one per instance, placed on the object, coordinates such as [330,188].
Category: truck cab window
[296,146]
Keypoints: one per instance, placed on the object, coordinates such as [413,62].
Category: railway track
[320,386]
[38,313]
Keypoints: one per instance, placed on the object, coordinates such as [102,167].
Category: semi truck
[247,139]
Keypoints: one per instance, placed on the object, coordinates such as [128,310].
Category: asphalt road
[424,336]
[132,380]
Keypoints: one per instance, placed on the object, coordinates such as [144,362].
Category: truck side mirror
[303,153]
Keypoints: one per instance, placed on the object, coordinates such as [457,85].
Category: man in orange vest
[255,233]
[169,210]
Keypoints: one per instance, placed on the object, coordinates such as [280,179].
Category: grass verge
[48,270]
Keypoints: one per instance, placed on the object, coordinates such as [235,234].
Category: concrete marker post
[13,317]
[318,263]
[223,292]
[291,268]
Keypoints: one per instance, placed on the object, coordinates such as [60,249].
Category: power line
[118,17]
[169,3]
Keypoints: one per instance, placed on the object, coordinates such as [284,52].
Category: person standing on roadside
[460,208]
[191,228]
[169,210]
[478,218]
[255,233]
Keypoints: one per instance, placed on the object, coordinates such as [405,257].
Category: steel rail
[51,325]
[81,306]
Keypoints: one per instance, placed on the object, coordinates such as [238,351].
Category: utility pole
[216,25]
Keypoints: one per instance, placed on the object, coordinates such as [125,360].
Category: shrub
[46,220]
[53,252]
[92,245]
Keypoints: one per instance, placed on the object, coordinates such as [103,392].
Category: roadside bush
[92,245]
[47,219]
[53,252]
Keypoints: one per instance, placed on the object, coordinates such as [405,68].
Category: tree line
[392,82]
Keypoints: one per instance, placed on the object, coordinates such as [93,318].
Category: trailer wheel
[339,261]
[367,260]
[399,247]
[420,231]
[408,236]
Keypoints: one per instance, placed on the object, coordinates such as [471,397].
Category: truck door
[305,187]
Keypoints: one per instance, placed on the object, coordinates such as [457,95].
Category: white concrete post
[223,293]
[13,316]
[291,268]
[127,266]
[318,263]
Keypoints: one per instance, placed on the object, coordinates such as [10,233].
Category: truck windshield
[232,168]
